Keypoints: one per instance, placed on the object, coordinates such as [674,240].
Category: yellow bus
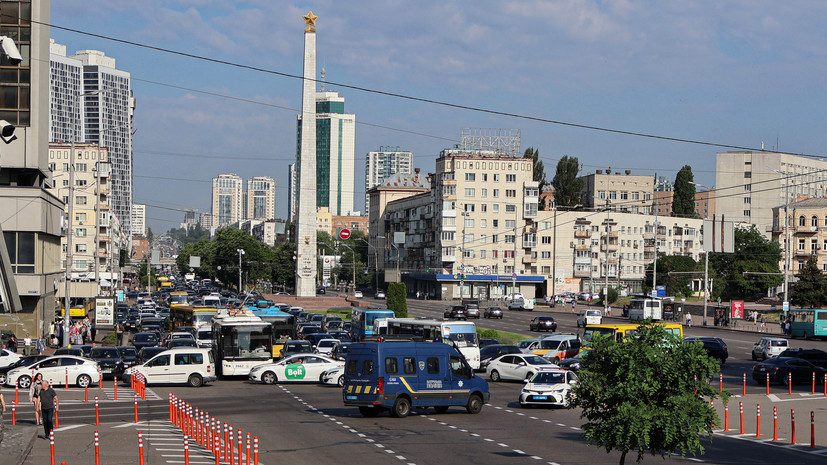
[178,298]
[164,283]
[622,331]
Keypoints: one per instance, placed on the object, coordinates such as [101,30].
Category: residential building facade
[261,198]
[624,191]
[384,163]
[227,205]
[139,219]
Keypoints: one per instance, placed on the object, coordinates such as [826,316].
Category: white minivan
[184,365]
[589,317]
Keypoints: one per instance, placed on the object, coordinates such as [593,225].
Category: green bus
[808,322]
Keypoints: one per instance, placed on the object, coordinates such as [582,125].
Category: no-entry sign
[344,233]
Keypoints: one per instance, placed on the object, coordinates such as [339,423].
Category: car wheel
[567,400]
[495,376]
[369,411]
[401,408]
[195,380]
[341,381]
[474,405]
[24,382]
[441,408]
[2,379]
[269,377]
[84,380]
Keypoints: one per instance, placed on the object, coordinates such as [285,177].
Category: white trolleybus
[460,334]
[240,342]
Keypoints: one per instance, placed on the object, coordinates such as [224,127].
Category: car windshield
[549,378]
[128,352]
[535,360]
[103,353]
[145,337]
[326,343]
[782,343]
[550,345]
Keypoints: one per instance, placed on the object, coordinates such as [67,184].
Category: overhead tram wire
[411,97]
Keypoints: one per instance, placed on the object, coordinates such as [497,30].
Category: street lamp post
[376,262]
[706,263]
[606,289]
[786,233]
[241,252]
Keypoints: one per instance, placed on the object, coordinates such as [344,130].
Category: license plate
[350,397]
[540,397]
[762,369]
[106,370]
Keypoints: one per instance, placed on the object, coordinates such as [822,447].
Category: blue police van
[398,376]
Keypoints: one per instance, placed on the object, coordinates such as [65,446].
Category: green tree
[142,274]
[683,198]
[396,298]
[753,253]
[284,268]
[568,187]
[539,170]
[676,284]
[641,395]
[811,289]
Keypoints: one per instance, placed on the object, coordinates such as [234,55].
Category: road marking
[68,427]
[518,451]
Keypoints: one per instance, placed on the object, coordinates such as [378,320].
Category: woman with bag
[34,397]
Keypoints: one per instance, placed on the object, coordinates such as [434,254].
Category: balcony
[449,213]
[648,236]
[614,233]
[582,273]
[805,253]
[612,247]
[529,259]
[449,258]
[529,244]
[582,247]
[806,230]
[585,234]
[582,260]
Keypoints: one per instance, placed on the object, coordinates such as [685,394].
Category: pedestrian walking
[3,403]
[27,345]
[573,305]
[34,397]
[763,328]
[13,343]
[688,319]
[49,404]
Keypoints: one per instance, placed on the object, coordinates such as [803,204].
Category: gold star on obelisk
[310,22]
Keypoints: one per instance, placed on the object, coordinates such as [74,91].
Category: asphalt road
[299,423]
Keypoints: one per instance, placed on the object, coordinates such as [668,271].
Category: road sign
[514,276]
[344,234]
[654,293]
[786,306]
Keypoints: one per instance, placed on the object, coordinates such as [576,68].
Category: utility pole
[67,309]
[554,258]
[655,266]
[514,270]
[606,289]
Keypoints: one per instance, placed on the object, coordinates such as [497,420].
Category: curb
[16,448]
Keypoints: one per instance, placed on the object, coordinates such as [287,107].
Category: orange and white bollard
[248,449]
[141,447]
[170,407]
[52,445]
[768,384]
[97,413]
[813,391]
[744,389]
[721,382]
[255,450]
[812,429]
[57,420]
[240,441]
[758,421]
[230,446]
[792,425]
[226,441]
[774,423]
[741,407]
[97,449]
[14,413]
[86,393]
[115,382]
[790,383]
[216,448]
[726,416]
[136,407]
[186,450]
[17,392]
[67,378]
[712,406]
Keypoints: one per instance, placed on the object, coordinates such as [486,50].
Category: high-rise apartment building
[624,192]
[139,219]
[335,153]
[384,163]
[227,206]
[91,101]
[261,198]
[31,219]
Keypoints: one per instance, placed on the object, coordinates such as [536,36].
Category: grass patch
[504,337]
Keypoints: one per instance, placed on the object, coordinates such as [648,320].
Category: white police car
[295,368]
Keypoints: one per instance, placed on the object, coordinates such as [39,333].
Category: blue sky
[736,73]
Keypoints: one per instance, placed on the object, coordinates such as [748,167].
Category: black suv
[815,356]
[456,312]
[109,360]
[715,347]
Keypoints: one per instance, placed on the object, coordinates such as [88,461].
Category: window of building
[80,232]
[635,195]
[747,200]
[448,235]
[510,208]
[80,248]
[496,177]
[80,183]
[469,207]
[495,223]
[747,213]
[510,223]
[510,178]
[483,223]
[545,255]
[470,177]
[509,238]
[801,243]
[612,195]
[814,221]
[21,247]
[484,177]
[496,193]
[80,217]
[495,208]
[601,195]
[802,221]
[482,253]
[624,195]
[483,193]
[468,238]
[483,207]
[470,192]
[511,193]
[81,167]
[747,174]
[545,240]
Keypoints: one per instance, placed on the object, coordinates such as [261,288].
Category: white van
[589,317]
[185,365]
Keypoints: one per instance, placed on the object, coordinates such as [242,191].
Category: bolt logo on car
[294,372]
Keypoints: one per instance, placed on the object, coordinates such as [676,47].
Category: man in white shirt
[27,345]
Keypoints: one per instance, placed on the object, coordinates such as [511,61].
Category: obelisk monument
[306,194]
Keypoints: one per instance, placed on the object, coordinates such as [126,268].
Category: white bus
[460,334]
[641,309]
[240,343]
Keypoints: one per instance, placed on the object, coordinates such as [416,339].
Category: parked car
[542,323]
[715,347]
[525,344]
[77,351]
[8,358]
[516,367]
[781,369]
[768,347]
[487,341]
[493,312]
[548,387]
[55,370]
[358,294]
[180,342]
[456,312]
[340,350]
[325,346]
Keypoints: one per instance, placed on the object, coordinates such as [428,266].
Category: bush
[396,299]
[344,312]
[109,339]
